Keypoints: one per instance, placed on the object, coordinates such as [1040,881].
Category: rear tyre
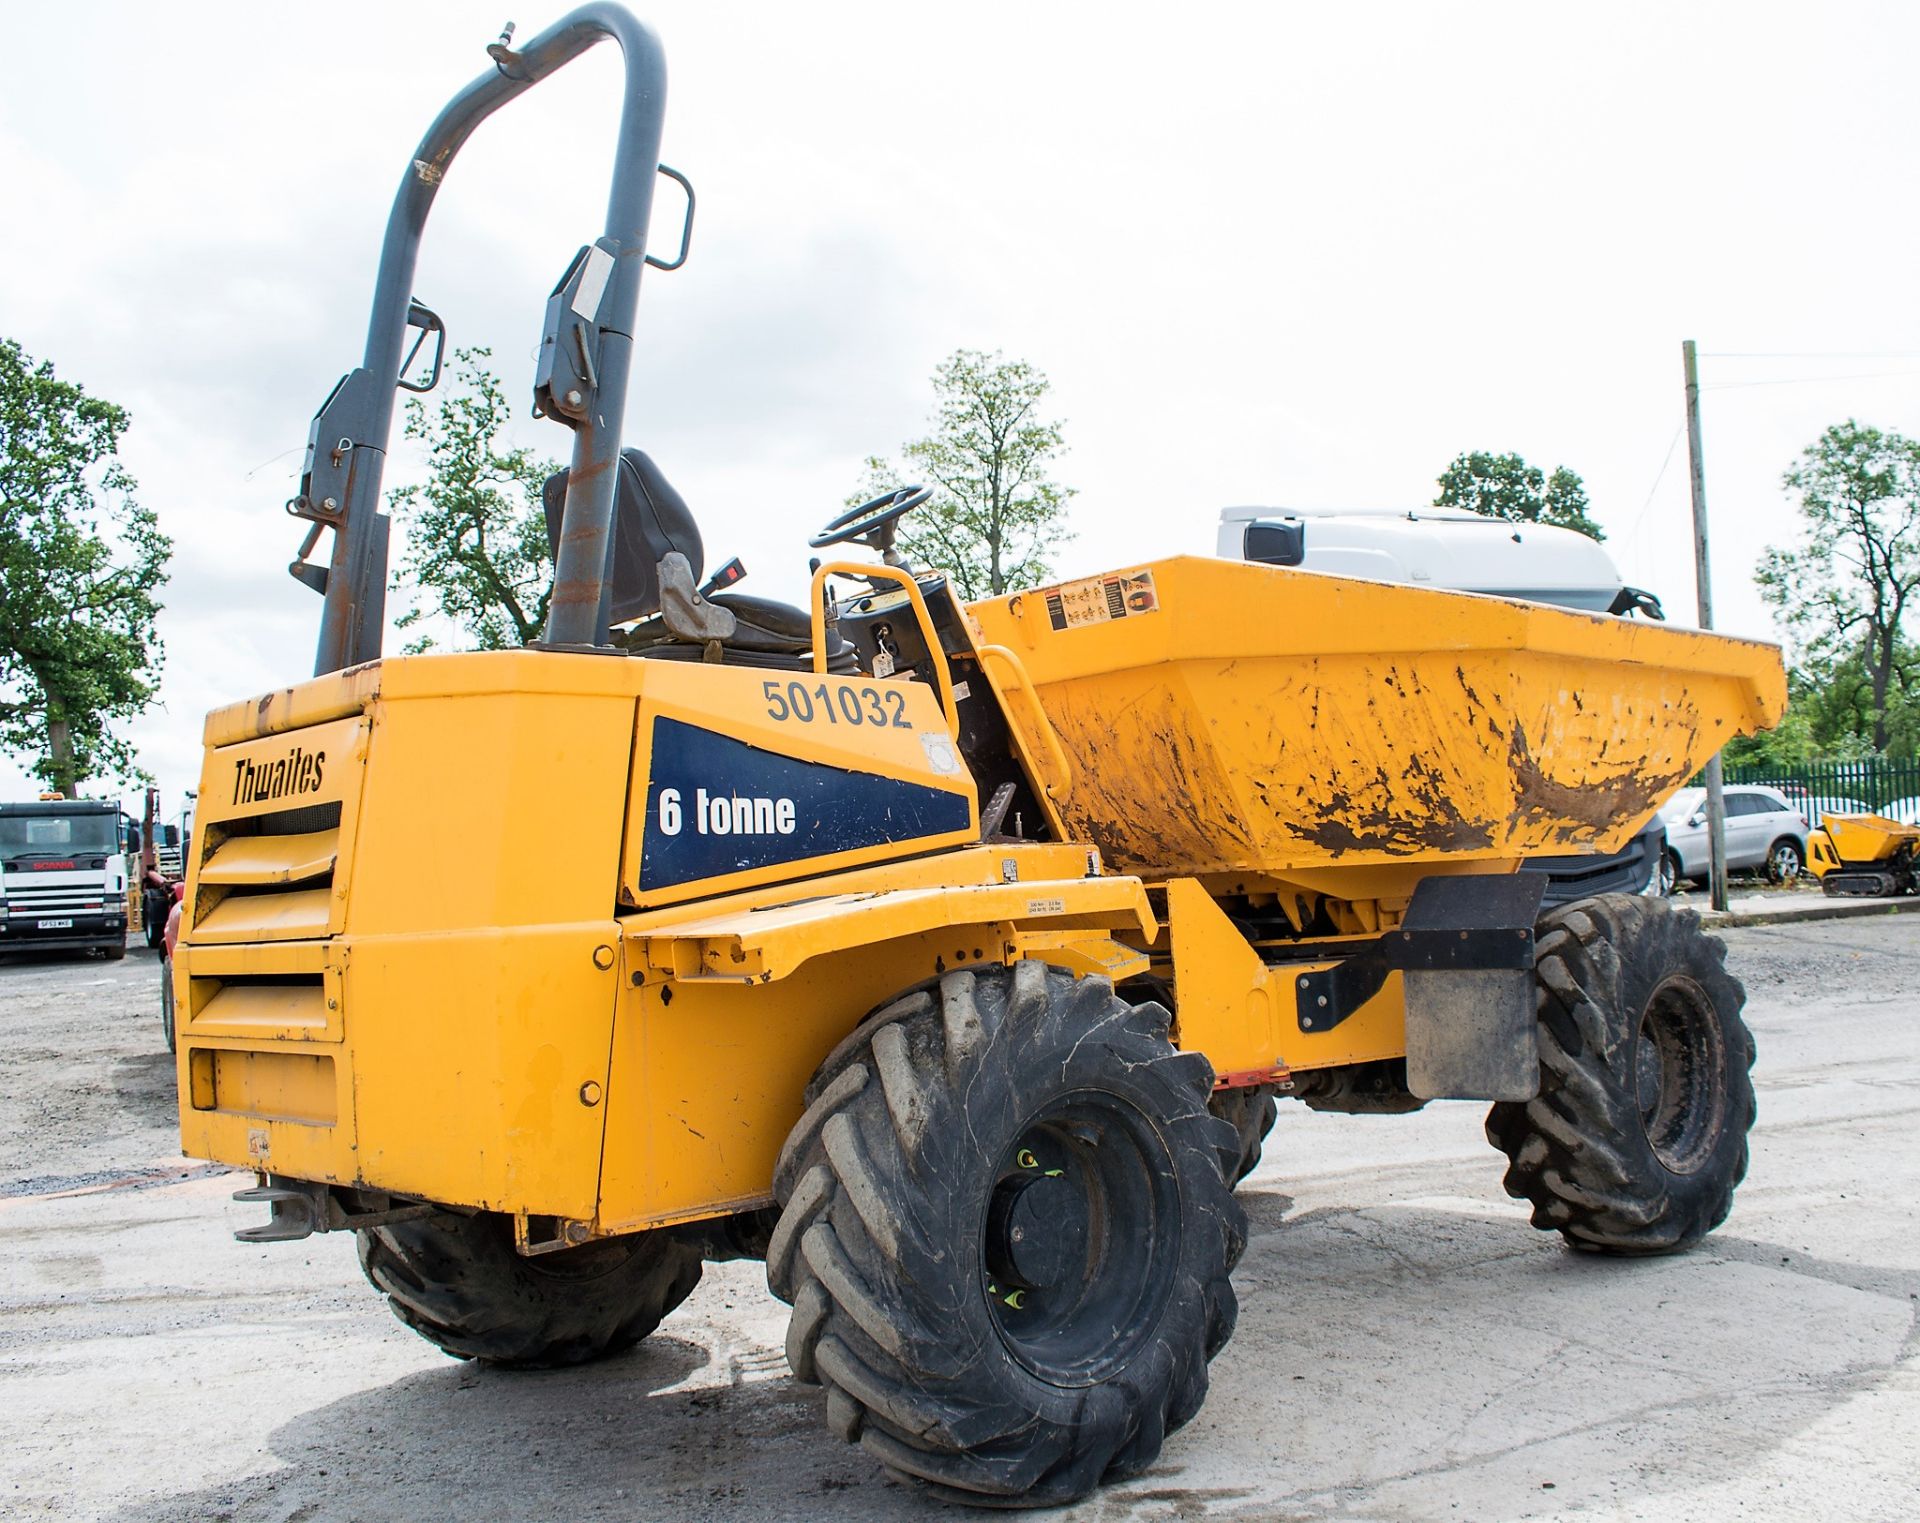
[114,951]
[459,1282]
[1006,1235]
[1251,1113]
[1669,871]
[1785,860]
[1639,1133]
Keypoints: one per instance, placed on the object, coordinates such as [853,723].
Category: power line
[1808,380]
[1813,354]
[1667,460]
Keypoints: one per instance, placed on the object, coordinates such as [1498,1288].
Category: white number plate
[56,925]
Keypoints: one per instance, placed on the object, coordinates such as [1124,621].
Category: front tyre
[459,1282]
[1006,1235]
[1639,1133]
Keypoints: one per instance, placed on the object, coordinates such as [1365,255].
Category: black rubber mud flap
[1470,1027]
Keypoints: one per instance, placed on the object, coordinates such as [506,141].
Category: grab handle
[817,603]
[1048,735]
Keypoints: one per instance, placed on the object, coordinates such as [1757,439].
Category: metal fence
[1876,782]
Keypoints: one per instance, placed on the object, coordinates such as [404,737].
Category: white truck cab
[63,877]
[1437,547]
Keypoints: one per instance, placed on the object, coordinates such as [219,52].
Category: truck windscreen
[60,833]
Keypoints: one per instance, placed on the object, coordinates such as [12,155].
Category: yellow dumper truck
[951,958]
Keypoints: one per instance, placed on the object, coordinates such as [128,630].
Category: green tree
[1505,486]
[476,551]
[81,564]
[996,516]
[1843,594]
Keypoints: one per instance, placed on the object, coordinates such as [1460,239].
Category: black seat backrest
[649,520]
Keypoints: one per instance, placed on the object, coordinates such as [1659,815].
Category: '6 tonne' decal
[717,806]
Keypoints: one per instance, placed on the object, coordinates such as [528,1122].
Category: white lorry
[1437,547]
[63,877]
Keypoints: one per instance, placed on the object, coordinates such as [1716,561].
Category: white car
[1812,808]
[1764,832]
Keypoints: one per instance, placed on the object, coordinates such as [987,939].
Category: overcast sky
[1284,254]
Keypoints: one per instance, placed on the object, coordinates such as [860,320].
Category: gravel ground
[1408,1347]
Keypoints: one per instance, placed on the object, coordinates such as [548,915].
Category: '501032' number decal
[854,704]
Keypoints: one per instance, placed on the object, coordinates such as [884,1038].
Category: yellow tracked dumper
[1864,854]
[951,958]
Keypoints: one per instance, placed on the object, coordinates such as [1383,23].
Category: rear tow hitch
[301,1208]
[292,1217]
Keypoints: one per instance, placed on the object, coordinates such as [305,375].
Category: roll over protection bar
[346,452]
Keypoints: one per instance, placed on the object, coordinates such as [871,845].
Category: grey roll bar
[346,452]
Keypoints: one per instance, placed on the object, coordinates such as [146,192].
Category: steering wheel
[881,512]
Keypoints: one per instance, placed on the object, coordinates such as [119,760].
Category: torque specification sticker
[1101,599]
[851,703]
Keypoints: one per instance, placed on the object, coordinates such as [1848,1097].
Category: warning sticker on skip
[1101,599]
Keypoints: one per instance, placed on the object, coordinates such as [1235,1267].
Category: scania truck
[63,877]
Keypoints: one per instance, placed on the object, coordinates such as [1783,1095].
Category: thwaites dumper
[951,958]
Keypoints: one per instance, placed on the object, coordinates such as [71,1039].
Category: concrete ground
[1409,1348]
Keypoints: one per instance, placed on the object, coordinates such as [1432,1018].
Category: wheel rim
[1080,1232]
[1680,1066]
[1786,863]
[1669,874]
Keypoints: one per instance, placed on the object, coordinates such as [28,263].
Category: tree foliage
[81,566]
[1844,594]
[1505,486]
[476,552]
[996,516]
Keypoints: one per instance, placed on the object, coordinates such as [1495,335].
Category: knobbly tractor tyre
[1639,1133]
[1251,1113]
[1006,1236]
[459,1282]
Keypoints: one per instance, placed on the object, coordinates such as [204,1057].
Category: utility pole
[1716,797]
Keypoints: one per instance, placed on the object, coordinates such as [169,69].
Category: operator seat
[651,521]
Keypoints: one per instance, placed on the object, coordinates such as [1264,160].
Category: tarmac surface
[1408,1347]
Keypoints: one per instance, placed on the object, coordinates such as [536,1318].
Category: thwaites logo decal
[259,782]
[716,806]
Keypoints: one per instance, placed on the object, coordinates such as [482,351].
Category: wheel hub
[1037,1231]
[1081,1229]
[1679,1061]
